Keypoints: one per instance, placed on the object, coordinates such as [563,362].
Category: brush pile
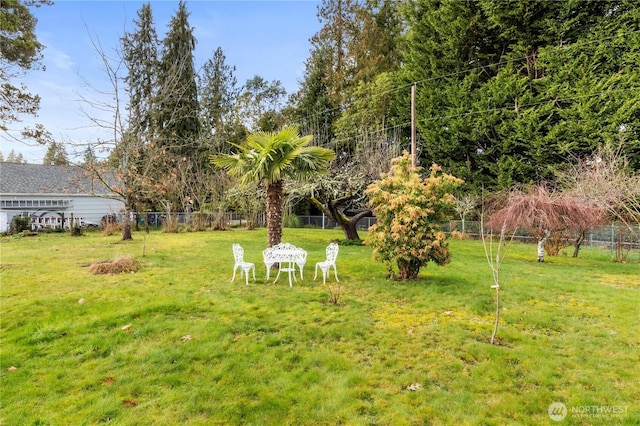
[119,265]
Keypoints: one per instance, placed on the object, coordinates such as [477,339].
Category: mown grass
[178,343]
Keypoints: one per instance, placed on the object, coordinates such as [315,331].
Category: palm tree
[269,157]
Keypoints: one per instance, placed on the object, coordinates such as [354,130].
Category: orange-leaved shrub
[409,211]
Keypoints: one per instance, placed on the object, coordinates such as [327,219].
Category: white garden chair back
[245,267]
[325,266]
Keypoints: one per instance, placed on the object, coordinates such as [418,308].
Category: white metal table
[287,256]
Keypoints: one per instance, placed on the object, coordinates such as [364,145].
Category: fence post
[612,240]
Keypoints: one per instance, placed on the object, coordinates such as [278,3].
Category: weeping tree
[544,212]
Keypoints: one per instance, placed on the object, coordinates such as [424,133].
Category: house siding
[52,195]
[86,210]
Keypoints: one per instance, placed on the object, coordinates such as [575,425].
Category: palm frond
[270,156]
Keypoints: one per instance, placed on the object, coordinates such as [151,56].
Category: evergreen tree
[140,53]
[311,105]
[20,51]
[498,102]
[600,104]
[335,39]
[376,47]
[218,93]
[178,118]
[137,156]
[56,154]
[12,157]
[358,42]
[178,113]
[89,158]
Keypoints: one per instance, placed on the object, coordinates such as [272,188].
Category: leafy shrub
[291,221]
[408,210]
[20,223]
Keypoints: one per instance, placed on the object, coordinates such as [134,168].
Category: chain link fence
[602,236]
[608,236]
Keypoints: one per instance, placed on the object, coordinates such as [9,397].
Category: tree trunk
[541,243]
[126,224]
[350,231]
[348,225]
[463,217]
[408,270]
[274,212]
[578,242]
[497,321]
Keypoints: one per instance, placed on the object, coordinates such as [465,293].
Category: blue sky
[266,38]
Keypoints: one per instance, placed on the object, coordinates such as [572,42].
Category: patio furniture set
[288,258]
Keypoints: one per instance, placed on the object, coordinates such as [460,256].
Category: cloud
[58,59]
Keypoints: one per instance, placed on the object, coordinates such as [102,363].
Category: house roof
[16,178]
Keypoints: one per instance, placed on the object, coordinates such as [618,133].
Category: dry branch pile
[119,265]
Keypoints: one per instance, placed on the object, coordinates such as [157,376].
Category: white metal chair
[238,256]
[300,259]
[325,266]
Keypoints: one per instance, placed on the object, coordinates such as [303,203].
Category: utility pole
[413,126]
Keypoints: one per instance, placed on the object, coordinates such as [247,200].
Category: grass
[177,343]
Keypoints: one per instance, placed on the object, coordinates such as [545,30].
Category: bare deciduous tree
[138,169]
[340,193]
[605,179]
[465,204]
[495,256]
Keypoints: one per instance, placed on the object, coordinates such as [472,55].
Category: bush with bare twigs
[111,227]
[605,178]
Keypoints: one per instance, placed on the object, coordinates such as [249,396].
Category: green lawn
[178,343]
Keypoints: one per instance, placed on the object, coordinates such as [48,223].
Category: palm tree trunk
[274,212]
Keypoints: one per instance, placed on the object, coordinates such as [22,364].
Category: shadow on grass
[438,284]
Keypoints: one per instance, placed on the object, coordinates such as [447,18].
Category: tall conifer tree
[140,52]
[217,94]
[498,103]
[178,119]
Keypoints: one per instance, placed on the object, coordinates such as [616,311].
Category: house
[53,196]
